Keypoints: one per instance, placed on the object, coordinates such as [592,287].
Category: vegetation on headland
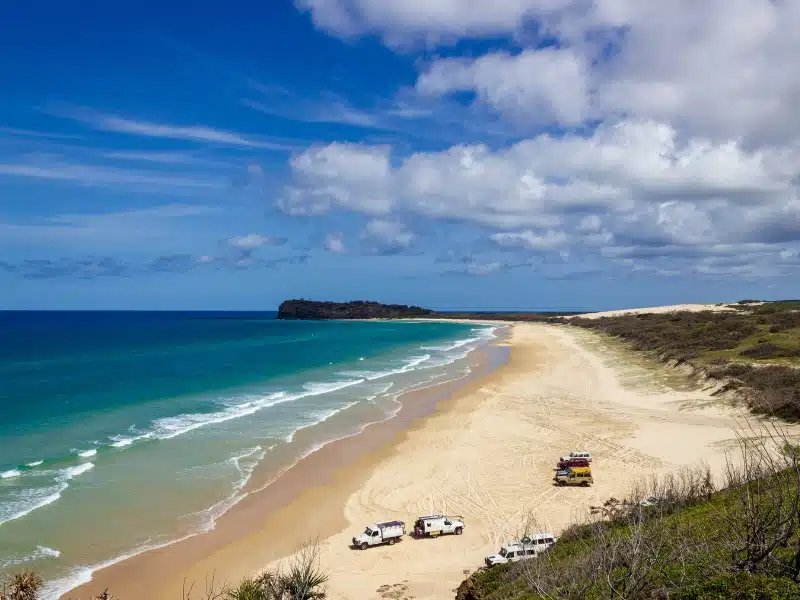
[754,348]
[688,541]
[302,580]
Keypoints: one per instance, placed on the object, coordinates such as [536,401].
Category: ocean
[125,431]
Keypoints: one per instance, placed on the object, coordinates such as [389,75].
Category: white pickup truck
[433,525]
[380,533]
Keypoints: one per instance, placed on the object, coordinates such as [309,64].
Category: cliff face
[309,309]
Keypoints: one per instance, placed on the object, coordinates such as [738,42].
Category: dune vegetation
[754,348]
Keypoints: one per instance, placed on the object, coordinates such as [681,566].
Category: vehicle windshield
[368,531]
[503,552]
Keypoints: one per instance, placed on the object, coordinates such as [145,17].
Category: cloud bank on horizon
[642,146]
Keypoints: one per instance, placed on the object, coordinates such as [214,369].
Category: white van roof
[539,536]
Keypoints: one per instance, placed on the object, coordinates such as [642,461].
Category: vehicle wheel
[562,483]
[364,545]
[391,541]
[585,484]
[459,530]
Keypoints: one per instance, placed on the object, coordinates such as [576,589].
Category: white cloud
[404,21]
[149,129]
[342,175]
[631,184]
[537,86]
[387,237]
[334,242]
[721,68]
[93,175]
[631,168]
[252,241]
[675,132]
[548,240]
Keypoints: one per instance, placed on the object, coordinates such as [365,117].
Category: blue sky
[524,154]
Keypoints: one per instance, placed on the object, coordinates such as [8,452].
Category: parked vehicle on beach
[433,525]
[575,476]
[572,462]
[576,454]
[527,547]
[581,454]
[380,533]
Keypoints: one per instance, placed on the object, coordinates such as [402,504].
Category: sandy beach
[487,453]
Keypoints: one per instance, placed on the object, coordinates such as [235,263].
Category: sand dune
[489,456]
[657,310]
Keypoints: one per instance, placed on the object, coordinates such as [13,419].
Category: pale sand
[490,458]
[655,310]
[487,454]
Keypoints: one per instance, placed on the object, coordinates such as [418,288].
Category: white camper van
[433,525]
[380,533]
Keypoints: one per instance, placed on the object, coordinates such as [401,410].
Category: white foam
[11,473]
[124,442]
[35,463]
[29,501]
[39,553]
[451,346]
[87,453]
[320,416]
[72,472]
[413,362]
[170,427]
[316,389]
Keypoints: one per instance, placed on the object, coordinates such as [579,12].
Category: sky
[456,154]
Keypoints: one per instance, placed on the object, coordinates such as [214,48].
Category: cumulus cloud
[548,240]
[334,242]
[641,169]
[644,132]
[351,176]
[721,68]
[631,183]
[252,241]
[538,86]
[401,21]
[386,237]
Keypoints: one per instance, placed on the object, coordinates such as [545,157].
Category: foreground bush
[303,580]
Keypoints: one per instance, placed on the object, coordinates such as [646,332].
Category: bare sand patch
[656,310]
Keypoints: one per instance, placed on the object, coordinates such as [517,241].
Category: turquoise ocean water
[123,431]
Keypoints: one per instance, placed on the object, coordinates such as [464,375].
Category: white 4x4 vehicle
[380,533]
[527,547]
[433,525]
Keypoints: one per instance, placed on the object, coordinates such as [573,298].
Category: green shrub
[740,586]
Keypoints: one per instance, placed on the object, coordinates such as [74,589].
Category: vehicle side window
[447,523]
[510,555]
[375,533]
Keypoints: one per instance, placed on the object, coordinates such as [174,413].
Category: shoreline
[334,464]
